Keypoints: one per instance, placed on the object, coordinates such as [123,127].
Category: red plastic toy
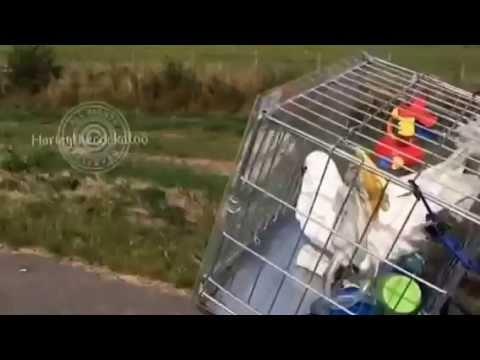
[418,110]
[398,145]
[391,148]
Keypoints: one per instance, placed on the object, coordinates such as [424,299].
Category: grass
[218,123]
[171,176]
[192,139]
[213,136]
[94,229]
[201,54]
[163,175]
[442,60]
[216,146]
[67,228]
[220,78]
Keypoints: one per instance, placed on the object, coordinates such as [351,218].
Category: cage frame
[265,111]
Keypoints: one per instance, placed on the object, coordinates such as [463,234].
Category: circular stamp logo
[93,137]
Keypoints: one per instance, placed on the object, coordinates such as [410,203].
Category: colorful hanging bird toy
[397,148]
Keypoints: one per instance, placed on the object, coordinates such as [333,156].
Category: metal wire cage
[253,260]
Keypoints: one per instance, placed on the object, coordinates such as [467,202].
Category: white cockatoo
[318,204]
[323,206]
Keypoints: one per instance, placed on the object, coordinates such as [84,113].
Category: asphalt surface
[32,284]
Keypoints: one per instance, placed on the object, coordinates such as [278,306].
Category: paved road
[48,287]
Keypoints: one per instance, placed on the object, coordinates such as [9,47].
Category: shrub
[220,95]
[11,161]
[31,67]
[172,87]
[179,87]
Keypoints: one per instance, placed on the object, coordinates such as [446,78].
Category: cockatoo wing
[321,207]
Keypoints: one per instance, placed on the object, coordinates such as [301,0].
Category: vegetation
[194,80]
[32,66]
[167,242]
[133,231]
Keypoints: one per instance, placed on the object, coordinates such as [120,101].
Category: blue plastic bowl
[351,298]
[360,308]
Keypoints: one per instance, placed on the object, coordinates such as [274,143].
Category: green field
[172,136]
[442,60]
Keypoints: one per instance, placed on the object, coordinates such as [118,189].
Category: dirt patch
[17,196]
[190,201]
[172,135]
[203,165]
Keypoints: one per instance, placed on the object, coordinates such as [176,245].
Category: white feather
[468,135]
[324,210]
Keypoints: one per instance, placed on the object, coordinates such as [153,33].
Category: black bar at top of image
[237,23]
[238,29]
